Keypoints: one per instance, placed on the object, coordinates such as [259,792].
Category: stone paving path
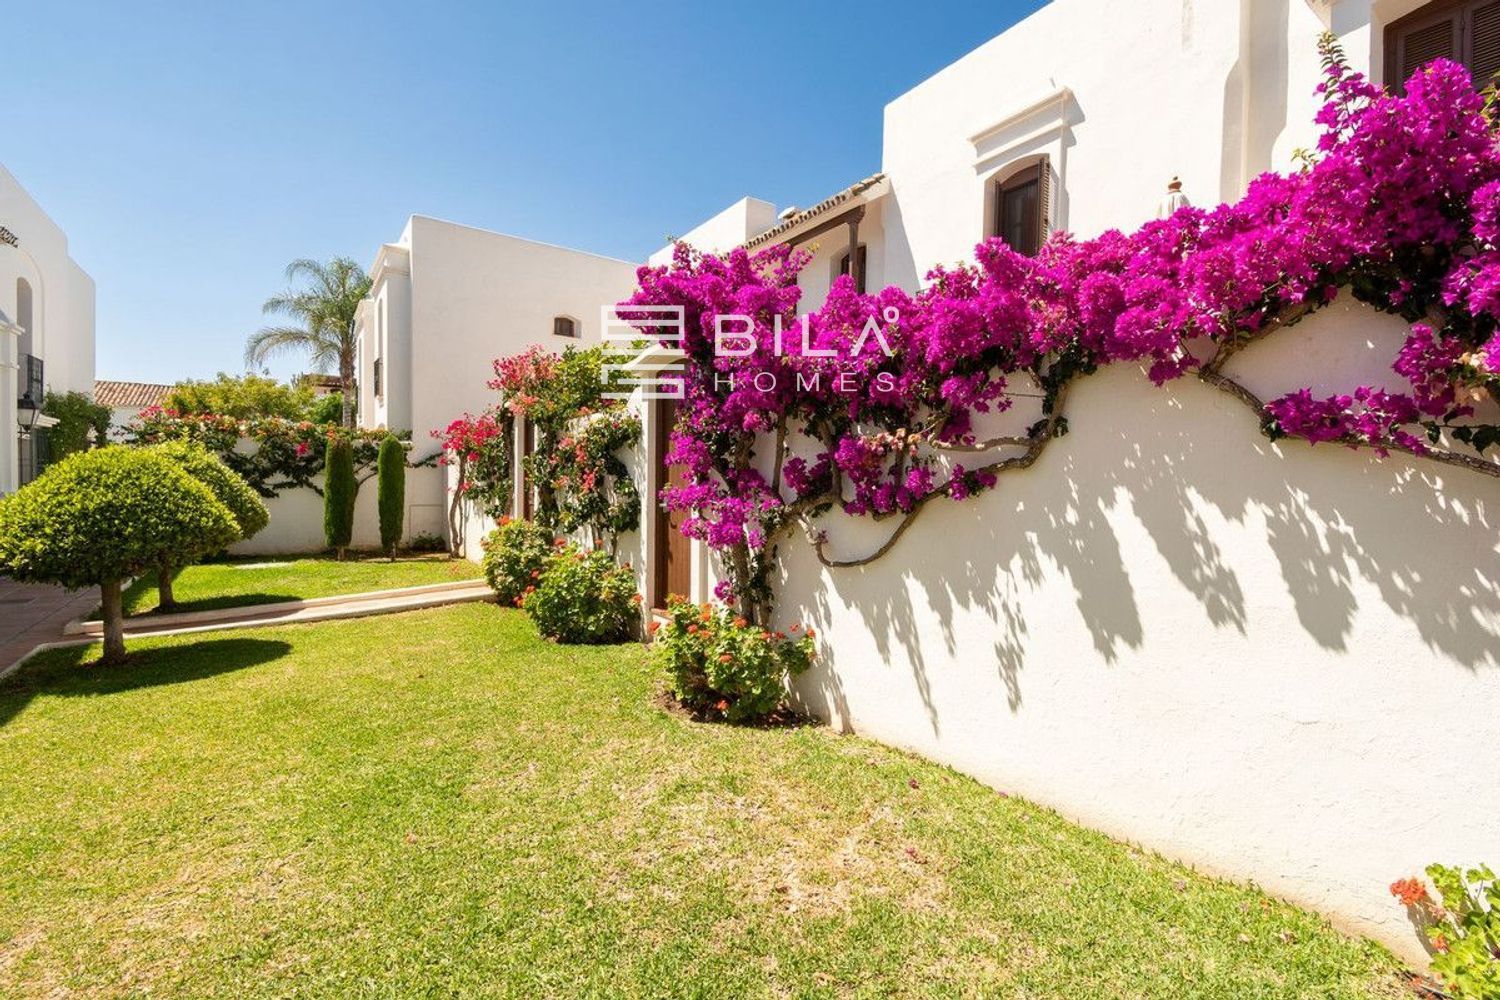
[34,613]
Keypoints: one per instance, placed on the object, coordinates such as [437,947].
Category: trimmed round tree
[339,493]
[100,516]
[249,511]
[390,471]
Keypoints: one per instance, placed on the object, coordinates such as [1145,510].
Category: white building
[46,329]
[126,400]
[446,301]
[1170,628]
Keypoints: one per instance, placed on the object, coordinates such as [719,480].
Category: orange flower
[740,623]
[725,658]
[797,627]
[722,706]
[654,627]
[811,634]
[536,574]
[692,630]
[1410,891]
[1440,942]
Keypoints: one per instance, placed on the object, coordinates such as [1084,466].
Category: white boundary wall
[1277,662]
[297,517]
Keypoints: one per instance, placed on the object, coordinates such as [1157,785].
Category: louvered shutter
[1415,41]
[1044,199]
[1484,42]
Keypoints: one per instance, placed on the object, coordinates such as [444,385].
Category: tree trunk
[346,380]
[114,622]
[164,599]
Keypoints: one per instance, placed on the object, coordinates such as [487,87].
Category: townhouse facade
[46,329]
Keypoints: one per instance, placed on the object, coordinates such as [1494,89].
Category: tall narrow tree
[323,309]
[340,490]
[390,469]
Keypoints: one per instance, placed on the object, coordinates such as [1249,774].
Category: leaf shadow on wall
[1185,471]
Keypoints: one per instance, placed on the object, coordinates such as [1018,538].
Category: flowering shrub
[1463,927]
[589,485]
[1400,208]
[583,598]
[481,449]
[515,555]
[717,662]
[284,454]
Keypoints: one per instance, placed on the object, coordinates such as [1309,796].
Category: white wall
[734,225]
[297,517]
[1264,659]
[62,333]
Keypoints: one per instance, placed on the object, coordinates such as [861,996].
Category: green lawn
[268,579]
[440,804]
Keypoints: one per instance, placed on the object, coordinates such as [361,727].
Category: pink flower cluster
[1401,207]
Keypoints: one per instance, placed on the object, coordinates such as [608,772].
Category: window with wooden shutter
[1022,204]
[1466,31]
[844,268]
[563,326]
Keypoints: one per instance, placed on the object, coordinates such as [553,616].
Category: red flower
[652,628]
[1440,942]
[725,658]
[692,629]
[722,706]
[1410,891]
[740,623]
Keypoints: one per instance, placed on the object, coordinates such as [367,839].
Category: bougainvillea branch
[870,400]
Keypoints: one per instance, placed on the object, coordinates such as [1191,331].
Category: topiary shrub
[584,598]
[719,664]
[515,556]
[99,516]
[340,490]
[250,514]
[390,472]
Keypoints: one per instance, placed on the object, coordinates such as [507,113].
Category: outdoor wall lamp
[27,413]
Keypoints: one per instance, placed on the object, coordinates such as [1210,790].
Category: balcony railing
[31,386]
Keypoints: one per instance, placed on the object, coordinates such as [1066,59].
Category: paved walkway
[31,615]
[34,613]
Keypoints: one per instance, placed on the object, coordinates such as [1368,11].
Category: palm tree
[325,310]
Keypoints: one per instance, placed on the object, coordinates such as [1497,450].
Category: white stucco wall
[62,312]
[724,231]
[296,523]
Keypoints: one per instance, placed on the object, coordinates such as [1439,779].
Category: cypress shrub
[339,493]
[390,470]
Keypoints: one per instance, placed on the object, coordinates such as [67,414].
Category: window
[375,379]
[1021,208]
[863,270]
[1466,31]
[564,326]
[24,310]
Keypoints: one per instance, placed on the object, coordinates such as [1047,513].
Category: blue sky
[191,149]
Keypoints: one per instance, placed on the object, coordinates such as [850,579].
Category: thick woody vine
[871,403]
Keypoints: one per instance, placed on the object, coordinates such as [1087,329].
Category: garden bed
[442,803]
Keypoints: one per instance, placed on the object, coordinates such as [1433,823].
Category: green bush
[250,514]
[717,663]
[426,541]
[584,598]
[1462,925]
[515,556]
[243,397]
[100,516]
[76,413]
[339,494]
[390,472]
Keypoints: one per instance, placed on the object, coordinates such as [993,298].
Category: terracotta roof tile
[129,393]
[827,204]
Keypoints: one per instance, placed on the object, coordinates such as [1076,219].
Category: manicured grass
[439,803]
[269,579]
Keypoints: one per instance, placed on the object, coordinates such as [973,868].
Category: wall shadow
[69,672]
[1227,514]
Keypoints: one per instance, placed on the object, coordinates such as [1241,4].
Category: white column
[10,456]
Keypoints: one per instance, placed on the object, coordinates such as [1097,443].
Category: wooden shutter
[1419,38]
[1484,42]
[1023,216]
[844,268]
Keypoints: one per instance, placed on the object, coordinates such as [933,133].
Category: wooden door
[528,445]
[672,556]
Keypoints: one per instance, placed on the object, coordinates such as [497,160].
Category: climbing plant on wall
[870,403]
